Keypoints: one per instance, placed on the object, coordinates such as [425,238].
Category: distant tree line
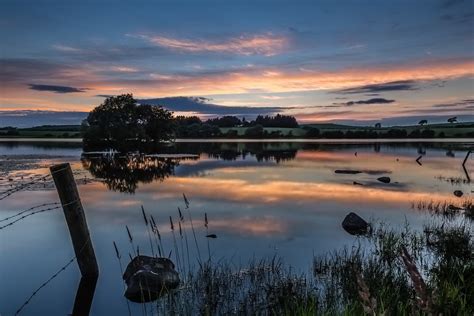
[194,127]
[121,123]
[279,120]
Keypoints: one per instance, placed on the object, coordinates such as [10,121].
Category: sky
[356,62]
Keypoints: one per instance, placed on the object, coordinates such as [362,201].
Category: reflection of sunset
[286,191]
[259,226]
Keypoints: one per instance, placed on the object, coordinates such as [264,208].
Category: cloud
[260,44]
[455,104]
[370,101]
[65,48]
[29,118]
[201,105]
[57,89]
[400,85]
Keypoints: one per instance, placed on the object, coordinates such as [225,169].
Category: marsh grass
[447,208]
[389,272]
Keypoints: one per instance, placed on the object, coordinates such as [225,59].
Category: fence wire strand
[28,215]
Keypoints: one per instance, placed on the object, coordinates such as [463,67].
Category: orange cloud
[265,44]
[277,81]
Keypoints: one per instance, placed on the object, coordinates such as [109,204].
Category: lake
[262,199]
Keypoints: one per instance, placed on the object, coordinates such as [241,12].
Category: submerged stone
[458,193]
[347,171]
[148,278]
[355,225]
[384,179]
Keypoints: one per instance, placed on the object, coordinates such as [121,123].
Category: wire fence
[37,209]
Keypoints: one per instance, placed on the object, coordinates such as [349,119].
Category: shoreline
[270,140]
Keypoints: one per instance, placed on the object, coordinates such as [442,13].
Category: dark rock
[211,236]
[355,225]
[454,208]
[347,171]
[357,183]
[384,179]
[458,193]
[148,278]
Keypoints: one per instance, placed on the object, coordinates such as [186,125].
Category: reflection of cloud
[265,44]
[278,191]
[260,226]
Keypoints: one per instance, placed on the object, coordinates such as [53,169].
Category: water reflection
[123,172]
[261,199]
[84,296]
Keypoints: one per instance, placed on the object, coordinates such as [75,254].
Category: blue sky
[351,61]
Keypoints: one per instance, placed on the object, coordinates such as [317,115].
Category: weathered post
[75,218]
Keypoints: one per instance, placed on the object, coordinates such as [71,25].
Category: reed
[181,220]
[186,203]
[145,219]
[130,239]
[119,258]
[157,235]
[206,225]
[175,246]
[423,298]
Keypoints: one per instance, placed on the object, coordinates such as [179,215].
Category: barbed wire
[27,210]
[28,215]
[7,193]
[63,268]
[23,186]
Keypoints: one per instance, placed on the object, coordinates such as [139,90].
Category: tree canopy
[121,119]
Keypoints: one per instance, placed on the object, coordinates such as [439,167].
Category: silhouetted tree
[312,133]
[120,120]
[452,119]
[254,131]
[225,121]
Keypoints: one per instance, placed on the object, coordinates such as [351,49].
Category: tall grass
[390,272]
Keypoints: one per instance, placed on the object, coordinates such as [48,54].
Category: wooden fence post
[76,219]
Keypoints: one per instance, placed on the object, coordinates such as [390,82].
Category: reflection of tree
[261,151]
[123,173]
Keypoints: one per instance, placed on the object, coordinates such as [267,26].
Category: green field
[449,130]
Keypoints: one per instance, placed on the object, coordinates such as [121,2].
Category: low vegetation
[388,272]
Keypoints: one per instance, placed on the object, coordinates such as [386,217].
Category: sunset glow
[303,65]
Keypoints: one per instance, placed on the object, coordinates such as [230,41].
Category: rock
[384,179]
[347,171]
[458,193]
[355,225]
[357,183]
[148,278]
[454,208]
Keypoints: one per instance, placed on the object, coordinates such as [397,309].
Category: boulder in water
[347,171]
[355,225]
[148,278]
[458,193]
[384,179]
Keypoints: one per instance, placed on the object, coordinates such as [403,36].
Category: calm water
[262,199]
